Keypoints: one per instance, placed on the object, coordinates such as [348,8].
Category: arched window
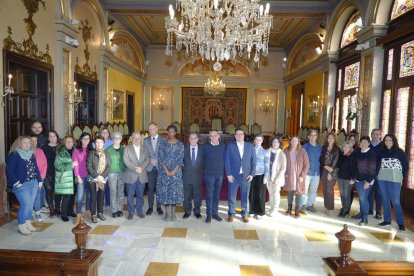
[353,26]
[400,7]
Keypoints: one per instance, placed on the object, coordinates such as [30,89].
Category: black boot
[289,210]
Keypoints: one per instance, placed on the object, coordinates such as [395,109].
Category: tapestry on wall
[199,107]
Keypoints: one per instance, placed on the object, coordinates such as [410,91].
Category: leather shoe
[114,215]
[119,214]
[160,211]
[230,219]
[73,215]
[370,212]
[208,219]
[93,219]
[245,219]
[217,217]
[357,216]
[186,215]
[401,227]
[198,216]
[141,215]
[384,223]
[65,219]
[378,216]
[149,212]
[363,222]
[130,216]
[101,216]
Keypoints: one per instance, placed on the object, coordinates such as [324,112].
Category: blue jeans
[363,198]
[42,196]
[378,198]
[390,191]
[26,195]
[311,184]
[239,181]
[38,200]
[345,189]
[137,188]
[213,189]
[82,190]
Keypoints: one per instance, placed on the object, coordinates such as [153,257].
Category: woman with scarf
[98,166]
[24,178]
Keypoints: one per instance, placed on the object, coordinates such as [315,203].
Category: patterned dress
[170,189]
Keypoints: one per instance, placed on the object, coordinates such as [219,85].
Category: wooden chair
[95,129]
[194,128]
[116,128]
[245,128]
[178,126]
[216,124]
[324,135]
[230,129]
[76,132]
[341,137]
[126,130]
[256,129]
[87,129]
[110,128]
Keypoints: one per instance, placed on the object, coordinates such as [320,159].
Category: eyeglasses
[86,138]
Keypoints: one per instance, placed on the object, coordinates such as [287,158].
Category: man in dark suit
[152,143]
[193,166]
[240,165]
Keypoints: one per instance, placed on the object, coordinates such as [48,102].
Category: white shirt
[195,149]
[240,145]
[137,149]
[154,142]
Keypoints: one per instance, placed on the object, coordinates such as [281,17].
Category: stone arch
[303,52]
[337,24]
[97,12]
[199,68]
[379,11]
[129,50]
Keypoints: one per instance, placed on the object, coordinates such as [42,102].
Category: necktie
[193,157]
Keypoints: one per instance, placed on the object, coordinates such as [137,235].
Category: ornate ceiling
[291,19]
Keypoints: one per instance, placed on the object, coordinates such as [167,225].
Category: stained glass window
[390,59]
[339,79]
[406,62]
[337,114]
[345,110]
[353,26]
[402,116]
[351,79]
[400,7]
[386,104]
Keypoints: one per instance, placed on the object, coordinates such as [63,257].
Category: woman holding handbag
[329,171]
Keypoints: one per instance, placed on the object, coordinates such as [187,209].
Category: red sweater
[41,162]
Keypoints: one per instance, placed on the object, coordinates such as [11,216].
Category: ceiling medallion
[87,36]
[28,48]
[219,30]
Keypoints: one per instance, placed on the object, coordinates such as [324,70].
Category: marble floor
[279,245]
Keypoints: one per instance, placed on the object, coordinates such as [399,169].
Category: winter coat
[63,172]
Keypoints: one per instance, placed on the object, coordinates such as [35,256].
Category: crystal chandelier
[214,85]
[8,90]
[219,30]
[266,106]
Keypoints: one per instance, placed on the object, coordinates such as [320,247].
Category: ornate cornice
[28,48]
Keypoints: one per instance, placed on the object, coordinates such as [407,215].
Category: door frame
[11,57]
[81,78]
[130,93]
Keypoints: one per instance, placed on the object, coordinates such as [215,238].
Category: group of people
[71,172]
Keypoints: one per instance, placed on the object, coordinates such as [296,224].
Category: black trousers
[49,184]
[66,202]
[190,191]
[97,198]
[257,196]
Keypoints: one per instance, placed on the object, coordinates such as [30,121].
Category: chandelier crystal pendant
[214,85]
[219,30]
[267,105]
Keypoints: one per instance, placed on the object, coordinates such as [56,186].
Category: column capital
[333,55]
[372,32]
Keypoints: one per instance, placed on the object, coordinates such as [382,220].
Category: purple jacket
[81,157]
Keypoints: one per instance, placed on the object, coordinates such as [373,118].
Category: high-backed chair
[256,129]
[87,129]
[95,129]
[126,130]
[116,128]
[216,124]
[245,128]
[110,128]
[76,132]
[178,126]
[194,127]
[121,129]
[230,129]
[323,137]
[341,138]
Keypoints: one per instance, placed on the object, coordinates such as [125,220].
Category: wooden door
[130,112]
[87,112]
[32,100]
[296,108]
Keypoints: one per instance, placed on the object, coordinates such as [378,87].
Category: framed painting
[118,105]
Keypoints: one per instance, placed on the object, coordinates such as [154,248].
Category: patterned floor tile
[174,232]
[41,226]
[105,229]
[318,236]
[386,237]
[245,234]
[165,269]
[255,270]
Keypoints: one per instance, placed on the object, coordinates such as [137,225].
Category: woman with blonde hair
[329,173]
[276,178]
[24,178]
[297,167]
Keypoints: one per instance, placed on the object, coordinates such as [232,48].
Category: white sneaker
[44,210]
[38,218]
[30,227]
[23,229]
